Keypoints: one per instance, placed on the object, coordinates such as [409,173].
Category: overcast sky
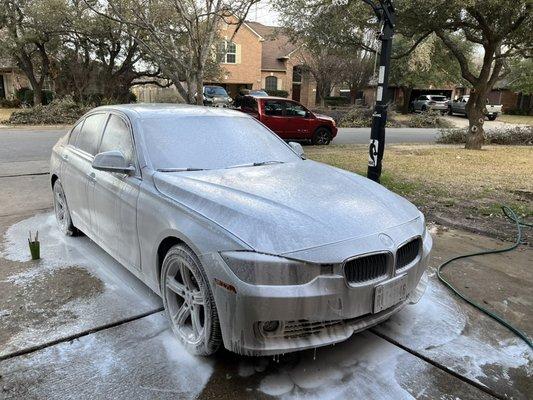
[262,12]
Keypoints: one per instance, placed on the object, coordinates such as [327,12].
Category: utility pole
[384,11]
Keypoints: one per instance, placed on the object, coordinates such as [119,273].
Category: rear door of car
[420,102]
[115,196]
[272,116]
[297,124]
[76,169]
[460,105]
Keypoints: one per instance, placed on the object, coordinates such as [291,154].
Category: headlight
[263,269]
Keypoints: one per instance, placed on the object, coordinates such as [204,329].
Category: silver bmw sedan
[249,244]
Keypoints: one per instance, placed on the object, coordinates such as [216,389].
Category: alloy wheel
[186,302]
[61,209]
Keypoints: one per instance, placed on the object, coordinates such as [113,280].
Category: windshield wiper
[255,164]
[180,169]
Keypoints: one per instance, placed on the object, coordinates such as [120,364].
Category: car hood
[324,117]
[283,208]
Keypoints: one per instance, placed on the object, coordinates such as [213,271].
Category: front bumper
[324,311]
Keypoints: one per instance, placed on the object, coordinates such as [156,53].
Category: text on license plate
[390,293]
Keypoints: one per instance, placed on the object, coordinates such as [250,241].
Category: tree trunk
[475,109]
[37,95]
[199,87]
[407,91]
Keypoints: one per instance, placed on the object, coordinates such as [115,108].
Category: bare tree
[500,29]
[178,35]
[27,32]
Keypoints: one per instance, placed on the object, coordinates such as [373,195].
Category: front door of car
[272,116]
[115,197]
[297,121]
[76,169]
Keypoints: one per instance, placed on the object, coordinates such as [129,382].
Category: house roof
[276,46]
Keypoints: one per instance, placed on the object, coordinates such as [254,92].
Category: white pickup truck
[459,107]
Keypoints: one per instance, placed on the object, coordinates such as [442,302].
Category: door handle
[64,157]
[91,176]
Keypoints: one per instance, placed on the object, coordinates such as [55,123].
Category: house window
[227,52]
[271,83]
[297,74]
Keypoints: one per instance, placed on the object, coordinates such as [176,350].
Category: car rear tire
[62,212]
[423,109]
[189,302]
[322,136]
[450,112]
[492,117]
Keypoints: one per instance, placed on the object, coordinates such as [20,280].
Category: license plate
[390,293]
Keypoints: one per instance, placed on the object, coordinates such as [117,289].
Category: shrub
[336,101]
[5,103]
[361,117]
[64,111]
[428,119]
[520,135]
[25,96]
[357,117]
[277,93]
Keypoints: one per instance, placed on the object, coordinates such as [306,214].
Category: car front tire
[322,136]
[492,117]
[62,212]
[189,302]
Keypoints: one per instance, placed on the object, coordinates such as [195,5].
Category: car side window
[294,109]
[117,137]
[74,133]
[274,107]
[90,133]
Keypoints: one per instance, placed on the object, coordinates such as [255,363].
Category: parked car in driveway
[216,96]
[289,119]
[459,107]
[430,102]
[250,245]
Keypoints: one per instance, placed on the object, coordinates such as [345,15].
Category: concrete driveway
[77,325]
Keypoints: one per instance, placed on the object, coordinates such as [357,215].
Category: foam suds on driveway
[140,360]
[111,292]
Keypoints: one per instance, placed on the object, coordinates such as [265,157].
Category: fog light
[269,326]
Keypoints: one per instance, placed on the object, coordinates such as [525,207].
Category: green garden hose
[511,215]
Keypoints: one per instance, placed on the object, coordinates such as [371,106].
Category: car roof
[160,110]
[268,97]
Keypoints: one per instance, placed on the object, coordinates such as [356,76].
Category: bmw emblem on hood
[386,239]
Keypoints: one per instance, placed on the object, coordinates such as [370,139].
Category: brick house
[500,94]
[261,57]
[256,57]
[11,79]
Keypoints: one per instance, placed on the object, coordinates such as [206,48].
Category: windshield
[215,90]
[211,142]
[438,98]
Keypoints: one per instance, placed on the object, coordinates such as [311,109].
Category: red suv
[289,119]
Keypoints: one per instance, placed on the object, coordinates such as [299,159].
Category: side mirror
[112,161]
[308,114]
[298,149]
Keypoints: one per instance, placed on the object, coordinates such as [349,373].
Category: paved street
[393,135]
[77,325]
[23,144]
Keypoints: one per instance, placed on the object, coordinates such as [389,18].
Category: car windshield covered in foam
[217,142]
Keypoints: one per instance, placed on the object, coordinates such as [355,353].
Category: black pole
[379,119]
